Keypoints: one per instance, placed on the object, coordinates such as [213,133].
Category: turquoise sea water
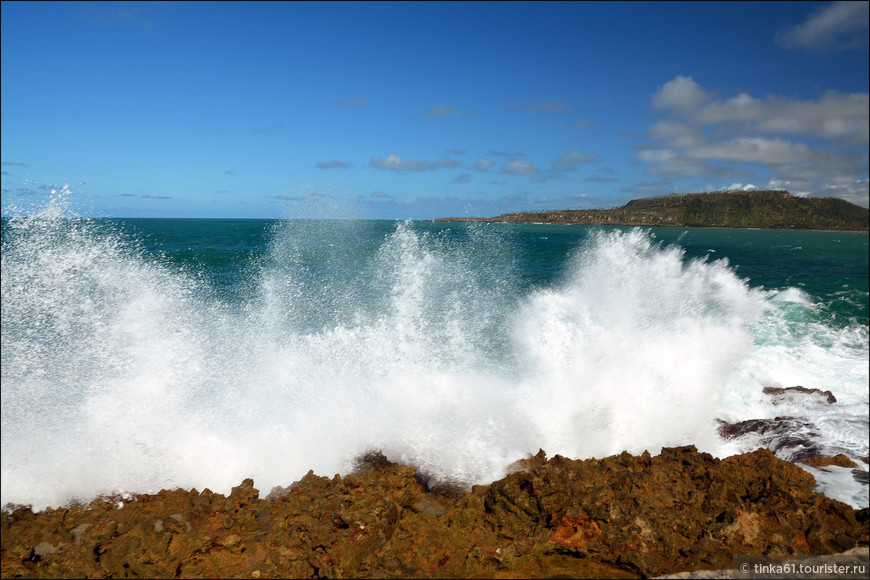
[144,354]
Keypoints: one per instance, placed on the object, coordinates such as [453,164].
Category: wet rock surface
[790,438]
[838,460]
[792,394]
[620,517]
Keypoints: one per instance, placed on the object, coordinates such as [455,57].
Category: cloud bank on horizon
[423,110]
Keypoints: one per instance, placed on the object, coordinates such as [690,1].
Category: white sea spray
[122,372]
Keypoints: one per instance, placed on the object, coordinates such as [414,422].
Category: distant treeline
[773,209]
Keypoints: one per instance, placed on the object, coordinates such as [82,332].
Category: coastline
[757,209]
[638,225]
[619,517]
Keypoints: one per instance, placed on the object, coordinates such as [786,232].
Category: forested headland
[769,209]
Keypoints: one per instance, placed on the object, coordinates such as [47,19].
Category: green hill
[772,209]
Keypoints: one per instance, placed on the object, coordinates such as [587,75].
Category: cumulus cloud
[397,164]
[754,150]
[677,133]
[674,162]
[519,167]
[739,187]
[334,164]
[838,26]
[833,116]
[813,142]
[680,93]
[447,111]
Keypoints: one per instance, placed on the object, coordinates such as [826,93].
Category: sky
[423,110]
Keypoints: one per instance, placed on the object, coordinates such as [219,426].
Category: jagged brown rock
[619,517]
[838,460]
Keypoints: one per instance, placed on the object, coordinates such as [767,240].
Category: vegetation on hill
[773,209]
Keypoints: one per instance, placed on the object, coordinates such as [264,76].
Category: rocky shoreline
[620,517]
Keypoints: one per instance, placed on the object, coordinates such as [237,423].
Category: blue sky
[424,110]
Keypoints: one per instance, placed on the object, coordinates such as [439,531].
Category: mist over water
[123,370]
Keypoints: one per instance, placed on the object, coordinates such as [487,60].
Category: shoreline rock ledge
[620,517]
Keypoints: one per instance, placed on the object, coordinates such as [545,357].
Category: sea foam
[124,373]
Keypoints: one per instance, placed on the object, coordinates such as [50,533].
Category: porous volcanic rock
[620,517]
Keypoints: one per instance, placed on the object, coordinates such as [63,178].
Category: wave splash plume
[122,371]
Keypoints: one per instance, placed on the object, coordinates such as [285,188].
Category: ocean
[141,354]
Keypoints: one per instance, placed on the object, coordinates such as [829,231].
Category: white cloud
[664,161]
[519,167]
[677,133]
[739,187]
[810,143]
[680,93]
[754,150]
[834,116]
[743,107]
[838,26]
[396,163]
[855,190]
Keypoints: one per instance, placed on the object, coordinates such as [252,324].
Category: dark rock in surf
[790,438]
[787,394]
[619,517]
